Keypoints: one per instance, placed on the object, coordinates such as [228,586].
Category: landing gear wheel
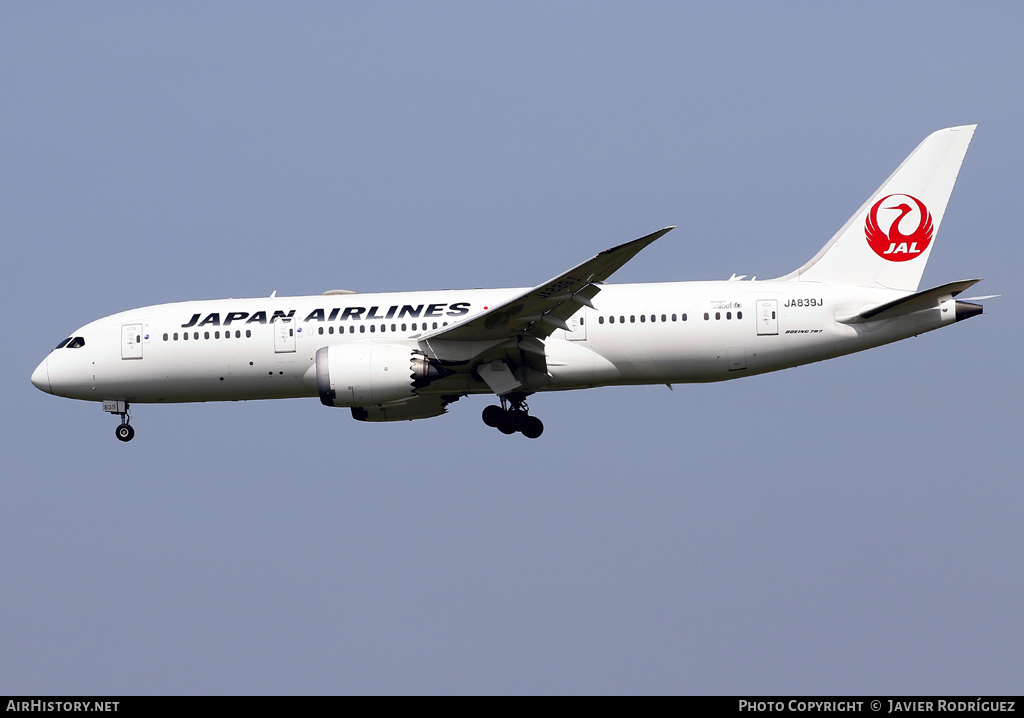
[517,418]
[513,416]
[493,415]
[532,427]
[505,426]
[125,432]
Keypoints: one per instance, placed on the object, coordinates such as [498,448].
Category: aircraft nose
[41,377]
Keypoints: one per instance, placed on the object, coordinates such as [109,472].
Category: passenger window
[600,320]
[195,335]
[665,320]
[206,335]
[165,337]
[718,315]
[728,315]
[248,333]
[632,319]
[684,318]
[362,329]
[643,317]
[706,317]
[175,336]
[739,315]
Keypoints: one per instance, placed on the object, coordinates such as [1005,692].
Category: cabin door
[284,335]
[767,316]
[131,341]
[577,330]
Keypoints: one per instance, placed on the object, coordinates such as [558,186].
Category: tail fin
[888,241]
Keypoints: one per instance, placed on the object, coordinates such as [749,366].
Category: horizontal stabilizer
[927,299]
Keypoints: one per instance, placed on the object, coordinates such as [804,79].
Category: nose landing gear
[124,431]
[513,415]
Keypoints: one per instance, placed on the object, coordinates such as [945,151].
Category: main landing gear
[513,415]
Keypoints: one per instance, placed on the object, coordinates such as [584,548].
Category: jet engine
[366,374]
[419,407]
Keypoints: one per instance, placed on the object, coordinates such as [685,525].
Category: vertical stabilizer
[888,241]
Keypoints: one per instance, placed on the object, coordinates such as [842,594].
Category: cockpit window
[61,345]
[76,343]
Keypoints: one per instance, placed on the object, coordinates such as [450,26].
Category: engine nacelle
[419,407]
[366,374]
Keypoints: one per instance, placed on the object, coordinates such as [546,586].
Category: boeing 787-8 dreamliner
[409,355]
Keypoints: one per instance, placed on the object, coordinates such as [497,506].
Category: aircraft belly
[573,365]
[168,379]
[665,360]
[709,353]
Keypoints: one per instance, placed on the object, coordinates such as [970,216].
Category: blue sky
[847,527]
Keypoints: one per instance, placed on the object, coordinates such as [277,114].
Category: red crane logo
[893,244]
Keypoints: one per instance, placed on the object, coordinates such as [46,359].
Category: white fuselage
[665,333]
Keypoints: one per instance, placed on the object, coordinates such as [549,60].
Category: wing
[501,346]
[541,310]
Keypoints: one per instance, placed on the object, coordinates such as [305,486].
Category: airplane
[409,355]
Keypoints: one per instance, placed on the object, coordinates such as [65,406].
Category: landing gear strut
[513,415]
[124,431]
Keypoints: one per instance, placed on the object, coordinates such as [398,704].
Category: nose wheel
[124,431]
[513,416]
